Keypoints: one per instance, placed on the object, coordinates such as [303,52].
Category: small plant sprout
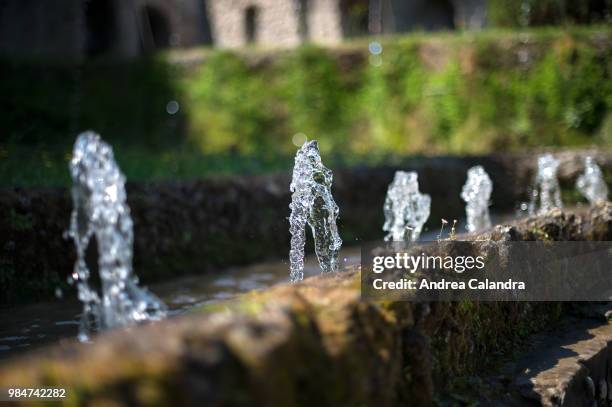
[444,222]
[453,232]
[409,230]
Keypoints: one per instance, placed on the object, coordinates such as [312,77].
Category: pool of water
[29,327]
[32,326]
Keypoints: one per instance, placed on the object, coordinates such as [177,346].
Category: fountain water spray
[591,183]
[100,210]
[312,202]
[546,187]
[406,209]
[476,194]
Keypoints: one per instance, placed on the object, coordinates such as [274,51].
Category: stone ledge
[200,226]
[584,358]
[313,343]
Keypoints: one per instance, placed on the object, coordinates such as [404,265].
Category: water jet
[476,193]
[312,203]
[406,209]
[546,193]
[100,211]
[591,183]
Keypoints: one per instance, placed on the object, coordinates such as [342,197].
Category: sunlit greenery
[445,93]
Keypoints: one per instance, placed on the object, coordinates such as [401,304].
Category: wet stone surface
[315,342]
[201,226]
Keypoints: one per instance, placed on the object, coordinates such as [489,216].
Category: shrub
[230,106]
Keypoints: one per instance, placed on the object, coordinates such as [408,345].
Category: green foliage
[446,102]
[461,93]
[524,13]
[47,103]
[552,90]
[318,103]
[555,98]
[127,104]
[252,109]
[230,106]
[392,87]
[44,166]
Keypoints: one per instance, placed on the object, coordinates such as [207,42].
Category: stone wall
[315,343]
[276,22]
[324,22]
[203,226]
[40,28]
[33,28]
[470,14]
[416,15]
[187,19]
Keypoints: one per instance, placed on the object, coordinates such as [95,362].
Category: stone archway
[428,15]
[303,29]
[156,28]
[250,24]
[439,15]
[355,17]
[100,27]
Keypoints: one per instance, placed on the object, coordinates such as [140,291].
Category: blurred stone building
[290,22]
[88,28]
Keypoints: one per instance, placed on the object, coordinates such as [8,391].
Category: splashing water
[312,202]
[100,210]
[546,187]
[591,183]
[405,209]
[476,193]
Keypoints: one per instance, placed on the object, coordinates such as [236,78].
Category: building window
[205,33]
[100,23]
[439,15]
[250,24]
[302,9]
[156,29]
[355,17]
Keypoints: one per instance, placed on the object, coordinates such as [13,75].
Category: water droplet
[375,48]
[172,107]
[299,139]
[375,60]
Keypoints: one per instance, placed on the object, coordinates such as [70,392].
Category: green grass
[25,167]
[42,167]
